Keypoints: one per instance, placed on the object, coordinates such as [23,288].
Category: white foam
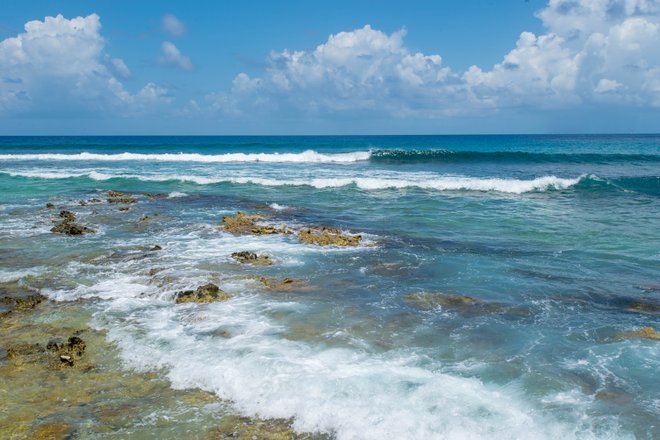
[308,156]
[352,394]
[176,194]
[278,207]
[437,182]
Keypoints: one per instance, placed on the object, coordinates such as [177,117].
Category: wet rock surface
[204,294]
[643,333]
[242,224]
[246,257]
[244,428]
[118,197]
[326,236]
[68,226]
[281,284]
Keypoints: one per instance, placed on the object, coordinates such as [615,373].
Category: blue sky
[301,67]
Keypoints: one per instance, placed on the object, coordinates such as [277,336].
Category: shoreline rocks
[325,236]
[207,293]
[247,257]
[69,227]
[118,197]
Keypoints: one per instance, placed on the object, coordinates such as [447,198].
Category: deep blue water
[554,238]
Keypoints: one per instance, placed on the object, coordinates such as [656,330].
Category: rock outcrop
[247,257]
[242,224]
[326,236]
[645,333]
[68,226]
[204,294]
[117,197]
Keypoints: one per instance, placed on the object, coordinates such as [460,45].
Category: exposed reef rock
[247,257]
[57,353]
[68,225]
[243,223]
[204,294]
[326,236]
[117,197]
[645,333]
[50,206]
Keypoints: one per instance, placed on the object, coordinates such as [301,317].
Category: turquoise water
[555,237]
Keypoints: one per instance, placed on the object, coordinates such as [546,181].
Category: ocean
[498,289]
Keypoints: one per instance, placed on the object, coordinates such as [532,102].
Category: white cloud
[120,67]
[364,69]
[173,26]
[58,67]
[593,51]
[171,55]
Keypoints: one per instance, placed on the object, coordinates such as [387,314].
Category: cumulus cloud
[363,69]
[58,67]
[172,56]
[593,51]
[120,67]
[173,26]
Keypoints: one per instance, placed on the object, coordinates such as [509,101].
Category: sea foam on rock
[203,294]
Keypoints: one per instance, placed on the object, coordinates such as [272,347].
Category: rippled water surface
[496,291]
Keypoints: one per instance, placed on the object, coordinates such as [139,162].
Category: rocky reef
[245,428]
[463,304]
[280,284]
[644,333]
[118,197]
[68,226]
[246,257]
[242,223]
[326,236]
[203,294]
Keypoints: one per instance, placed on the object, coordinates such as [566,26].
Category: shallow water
[554,238]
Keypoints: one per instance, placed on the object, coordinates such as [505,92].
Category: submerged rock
[50,206]
[22,303]
[52,431]
[645,333]
[325,236]
[204,294]
[432,300]
[156,248]
[246,428]
[278,283]
[56,354]
[463,304]
[247,257]
[124,209]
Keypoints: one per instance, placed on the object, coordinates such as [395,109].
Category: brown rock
[646,333]
[281,284]
[50,206]
[247,257]
[204,294]
[68,216]
[69,228]
[325,236]
[52,431]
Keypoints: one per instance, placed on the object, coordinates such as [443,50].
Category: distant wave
[309,156]
[392,156]
[441,183]
[412,156]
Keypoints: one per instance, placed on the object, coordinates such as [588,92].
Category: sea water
[553,240]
